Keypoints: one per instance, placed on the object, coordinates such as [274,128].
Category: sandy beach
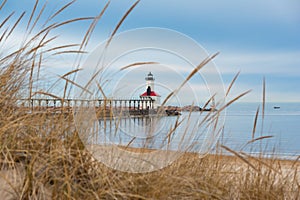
[12,177]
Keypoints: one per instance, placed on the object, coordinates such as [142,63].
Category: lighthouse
[150,81]
[150,94]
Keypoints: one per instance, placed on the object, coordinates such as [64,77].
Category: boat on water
[276,107]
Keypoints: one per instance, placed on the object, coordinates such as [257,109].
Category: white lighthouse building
[150,93]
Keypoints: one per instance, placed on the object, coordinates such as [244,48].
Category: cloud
[285,62]
[230,10]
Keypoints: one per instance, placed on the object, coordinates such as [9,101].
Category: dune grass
[42,157]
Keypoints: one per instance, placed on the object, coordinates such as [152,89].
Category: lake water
[282,124]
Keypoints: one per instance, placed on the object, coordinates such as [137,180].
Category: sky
[259,39]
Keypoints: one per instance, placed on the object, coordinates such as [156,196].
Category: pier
[103,107]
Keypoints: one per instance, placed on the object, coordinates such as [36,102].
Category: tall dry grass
[42,157]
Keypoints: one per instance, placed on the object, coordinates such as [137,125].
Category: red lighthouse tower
[150,93]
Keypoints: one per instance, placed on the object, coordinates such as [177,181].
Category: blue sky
[258,38]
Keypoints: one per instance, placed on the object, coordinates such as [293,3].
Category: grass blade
[72,21]
[74,83]
[3,3]
[240,157]
[90,30]
[70,52]
[202,64]
[264,98]
[259,138]
[137,64]
[15,25]
[32,13]
[121,22]
[60,10]
[255,123]
[62,47]
[231,84]
[6,19]
[101,90]
[37,18]
[71,72]
[228,104]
